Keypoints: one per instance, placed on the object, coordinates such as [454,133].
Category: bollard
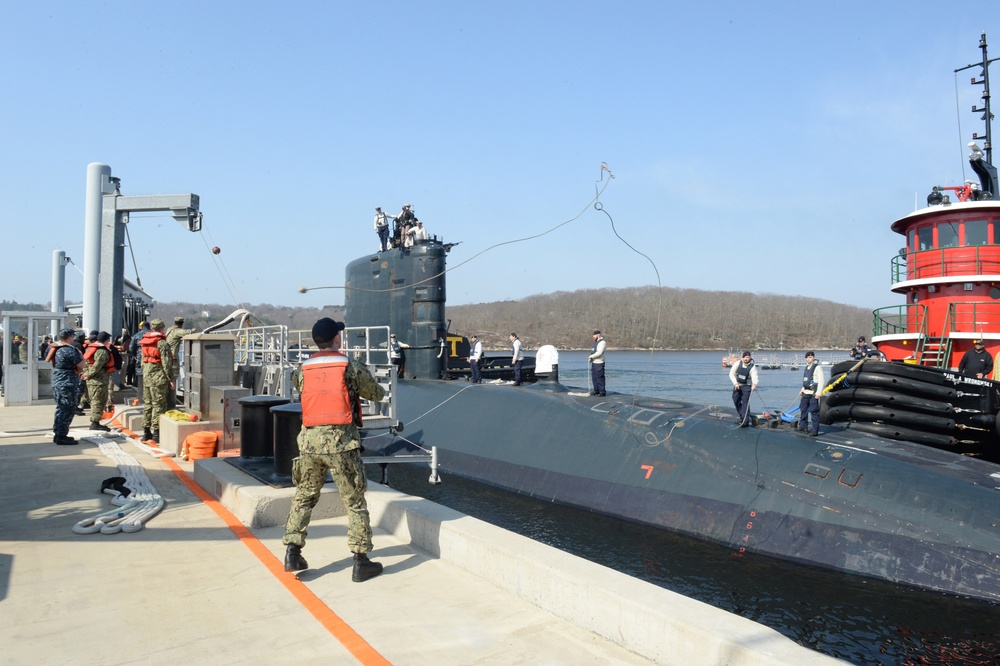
[287,423]
[257,425]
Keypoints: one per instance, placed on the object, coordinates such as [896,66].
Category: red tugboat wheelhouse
[949,271]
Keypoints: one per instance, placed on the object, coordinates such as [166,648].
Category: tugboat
[949,272]
[866,497]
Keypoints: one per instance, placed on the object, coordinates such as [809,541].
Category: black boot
[364,568]
[146,434]
[96,425]
[64,440]
[155,436]
[294,560]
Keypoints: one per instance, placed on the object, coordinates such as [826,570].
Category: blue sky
[762,147]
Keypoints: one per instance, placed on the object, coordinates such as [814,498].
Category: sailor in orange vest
[330,384]
[157,379]
[100,366]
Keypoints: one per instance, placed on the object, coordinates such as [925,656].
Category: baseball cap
[325,330]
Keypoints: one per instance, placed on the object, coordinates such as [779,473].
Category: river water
[859,620]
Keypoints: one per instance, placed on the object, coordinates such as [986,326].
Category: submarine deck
[195,584]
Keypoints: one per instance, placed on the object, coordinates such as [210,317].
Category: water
[851,618]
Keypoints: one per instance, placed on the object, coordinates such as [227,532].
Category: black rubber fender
[890,431]
[874,396]
[920,373]
[876,414]
[897,385]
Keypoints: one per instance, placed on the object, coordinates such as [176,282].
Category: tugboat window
[910,236]
[925,238]
[977,232]
[948,234]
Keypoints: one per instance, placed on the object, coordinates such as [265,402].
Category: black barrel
[257,426]
[287,423]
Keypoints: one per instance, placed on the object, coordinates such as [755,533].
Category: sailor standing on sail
[382,228]
[812,387]
[743,375]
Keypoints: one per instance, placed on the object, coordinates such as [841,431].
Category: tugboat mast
[987,116]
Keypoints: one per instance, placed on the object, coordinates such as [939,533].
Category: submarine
[848,500]
[870,496]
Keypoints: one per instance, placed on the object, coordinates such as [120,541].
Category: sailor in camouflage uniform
[98,375]
[330,384]
[157,379]
[67,366]
[174,336]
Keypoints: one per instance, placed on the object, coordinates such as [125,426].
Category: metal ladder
[933,351]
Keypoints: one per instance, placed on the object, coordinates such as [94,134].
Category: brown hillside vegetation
[633,318]
[201,316]
[665,318]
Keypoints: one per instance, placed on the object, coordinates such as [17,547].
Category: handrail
[887,323]
[947,261]
[972,316]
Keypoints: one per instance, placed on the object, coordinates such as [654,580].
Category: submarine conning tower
[402,288]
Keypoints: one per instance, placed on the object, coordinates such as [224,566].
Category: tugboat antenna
[985,109]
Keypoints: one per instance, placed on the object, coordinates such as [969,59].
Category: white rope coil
[132,512]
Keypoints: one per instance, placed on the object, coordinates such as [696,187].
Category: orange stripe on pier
[339,629]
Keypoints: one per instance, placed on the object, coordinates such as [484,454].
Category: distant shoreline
[846,352]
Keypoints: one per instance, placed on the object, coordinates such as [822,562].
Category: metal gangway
[267,355]
[357,343]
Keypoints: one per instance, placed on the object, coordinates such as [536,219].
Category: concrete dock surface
[204,583]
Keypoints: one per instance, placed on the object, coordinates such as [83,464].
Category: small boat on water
[868,496]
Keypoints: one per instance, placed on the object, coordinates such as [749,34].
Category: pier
[203,581]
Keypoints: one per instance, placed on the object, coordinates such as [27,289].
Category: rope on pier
[139,505]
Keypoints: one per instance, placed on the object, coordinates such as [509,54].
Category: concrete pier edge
[650,621]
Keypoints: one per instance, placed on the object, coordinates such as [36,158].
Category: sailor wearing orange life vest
[157,379]
[329,440]
[100,366]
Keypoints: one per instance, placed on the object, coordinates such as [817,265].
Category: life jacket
[91,349]
[394,350]
[325,400]
[116,357]
[743,373]
[807,378]
[150,352]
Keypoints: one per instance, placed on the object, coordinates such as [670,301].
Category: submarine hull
[847,500]
[850,500]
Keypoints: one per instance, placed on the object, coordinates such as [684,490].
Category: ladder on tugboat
[933,351]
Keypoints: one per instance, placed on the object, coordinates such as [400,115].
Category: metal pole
[58,288]
[97,175]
